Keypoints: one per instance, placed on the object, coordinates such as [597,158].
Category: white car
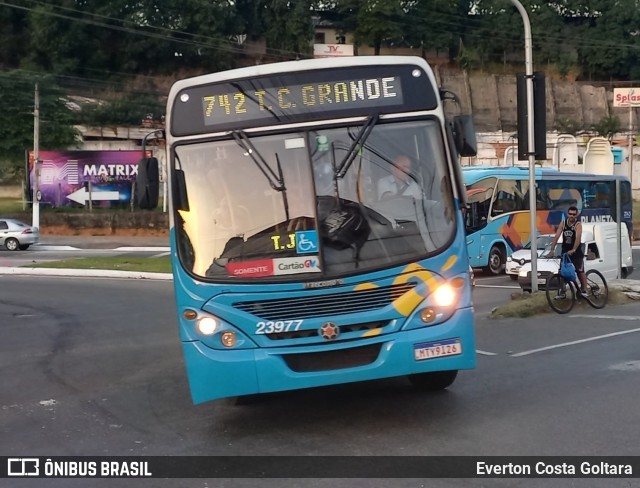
[600,250]
[522,256]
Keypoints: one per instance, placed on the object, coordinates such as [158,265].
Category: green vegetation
[10,206]
[16,125]
[524,305]
[150,265]
[109,62]
[13,206]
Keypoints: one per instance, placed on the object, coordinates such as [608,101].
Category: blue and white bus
[290,271]
[497,219]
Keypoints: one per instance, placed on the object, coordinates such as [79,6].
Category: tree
[609,46]
[437,25]
[380,21]
[13,35]
[16,130]
[123,109]
[289,28]
[495,31]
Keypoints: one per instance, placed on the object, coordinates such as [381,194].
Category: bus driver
[400,182]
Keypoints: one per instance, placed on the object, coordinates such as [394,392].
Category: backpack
[344,226]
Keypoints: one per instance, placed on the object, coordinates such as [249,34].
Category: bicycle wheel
[561,294]
[599,291]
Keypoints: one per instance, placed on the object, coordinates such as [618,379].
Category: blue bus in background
[290,269]
[497,218]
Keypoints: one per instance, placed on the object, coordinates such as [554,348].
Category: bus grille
[344,329]
[330,360]
[322,305]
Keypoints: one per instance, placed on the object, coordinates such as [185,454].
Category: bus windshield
[310,204]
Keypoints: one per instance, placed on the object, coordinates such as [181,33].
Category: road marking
[485,353]
[619,317]
[509,287]
[572,343]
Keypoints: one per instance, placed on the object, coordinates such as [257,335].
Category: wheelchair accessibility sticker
[306,241]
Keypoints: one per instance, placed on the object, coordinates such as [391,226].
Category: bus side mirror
[181,200]
[147,186]
[464,135]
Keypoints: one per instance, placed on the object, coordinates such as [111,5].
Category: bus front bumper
[215,374]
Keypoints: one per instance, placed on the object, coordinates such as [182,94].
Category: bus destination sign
[234,105]
[301,96]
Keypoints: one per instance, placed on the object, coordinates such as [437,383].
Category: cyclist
[571,232]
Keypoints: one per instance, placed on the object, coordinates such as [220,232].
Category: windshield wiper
[365,131]
[275,180]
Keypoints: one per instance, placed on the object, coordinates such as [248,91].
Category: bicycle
[562,296]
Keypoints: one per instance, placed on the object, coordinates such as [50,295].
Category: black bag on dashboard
[345,226]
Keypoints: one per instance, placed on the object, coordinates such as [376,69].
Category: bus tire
[435,381]
[497,260]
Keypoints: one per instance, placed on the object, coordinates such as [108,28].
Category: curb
[94,273]
[46,247]
[147,249]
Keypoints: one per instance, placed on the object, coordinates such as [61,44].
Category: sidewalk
[122,243]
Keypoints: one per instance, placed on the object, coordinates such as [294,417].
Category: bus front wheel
[436,381]
[497,260]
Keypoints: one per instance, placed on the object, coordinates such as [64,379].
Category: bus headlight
[207,325]
[444,296]
[443,302]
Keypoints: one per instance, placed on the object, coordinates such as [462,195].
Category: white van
[600,248]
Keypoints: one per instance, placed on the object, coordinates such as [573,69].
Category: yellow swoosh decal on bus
[373,332]
[406,303]
[450,262]
[365,286]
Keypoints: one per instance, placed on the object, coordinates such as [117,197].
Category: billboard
[626,97]
[332,50]
[71,178]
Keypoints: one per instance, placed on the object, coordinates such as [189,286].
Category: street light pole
[35,201]
[528,53]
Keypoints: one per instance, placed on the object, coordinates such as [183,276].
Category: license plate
[542,281]
[437,349]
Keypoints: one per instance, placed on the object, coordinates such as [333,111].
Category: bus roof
[272,69]
[472,174]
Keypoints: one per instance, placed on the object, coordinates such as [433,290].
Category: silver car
[16,235]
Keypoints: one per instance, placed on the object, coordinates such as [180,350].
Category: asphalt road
[94,367]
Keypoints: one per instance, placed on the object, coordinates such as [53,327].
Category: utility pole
[528,54]
[35,198]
